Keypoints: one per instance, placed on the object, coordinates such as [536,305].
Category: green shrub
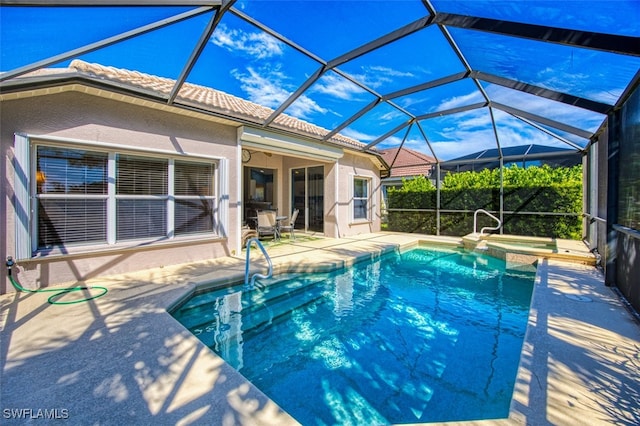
[530,190]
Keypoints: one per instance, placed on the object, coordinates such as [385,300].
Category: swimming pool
[424,335]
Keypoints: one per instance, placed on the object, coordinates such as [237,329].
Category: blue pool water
[421,336]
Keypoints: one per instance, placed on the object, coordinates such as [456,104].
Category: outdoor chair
[247,234]
[291,225]
[267,224]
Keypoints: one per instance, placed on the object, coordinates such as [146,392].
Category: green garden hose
[58,292]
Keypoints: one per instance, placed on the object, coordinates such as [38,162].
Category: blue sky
[243,60]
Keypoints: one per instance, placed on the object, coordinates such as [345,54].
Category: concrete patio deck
[122,359]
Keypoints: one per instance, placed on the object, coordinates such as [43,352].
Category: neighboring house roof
[405,162]
[490,158]
[514,151]
[207,99]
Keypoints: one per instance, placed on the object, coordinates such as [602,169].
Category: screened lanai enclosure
[445,78]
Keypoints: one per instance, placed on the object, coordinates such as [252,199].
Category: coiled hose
[58,292]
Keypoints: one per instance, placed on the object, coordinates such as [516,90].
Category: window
[360,198]
[71,187]
[141,197]
[83,197]
[194,197]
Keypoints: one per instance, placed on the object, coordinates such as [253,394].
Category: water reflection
[407,338]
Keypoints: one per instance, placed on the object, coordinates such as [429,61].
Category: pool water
[428,335]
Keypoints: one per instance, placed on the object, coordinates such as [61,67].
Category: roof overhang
[28,87]
[377,159]
[268,141]
[65,81]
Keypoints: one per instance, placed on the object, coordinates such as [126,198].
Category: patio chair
[291,225]
[267,224]
[247,234]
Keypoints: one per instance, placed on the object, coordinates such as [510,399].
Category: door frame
[305,211]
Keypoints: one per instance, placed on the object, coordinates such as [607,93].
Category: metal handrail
[246,266]
[475,222]
[627,231]
[513,212]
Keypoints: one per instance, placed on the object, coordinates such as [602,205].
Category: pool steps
[259,306]
[207,295]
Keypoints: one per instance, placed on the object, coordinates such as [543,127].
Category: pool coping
[131,361]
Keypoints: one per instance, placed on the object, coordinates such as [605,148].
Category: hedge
[555,197]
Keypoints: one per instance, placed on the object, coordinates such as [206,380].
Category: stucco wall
[355,165]
[87,120]
[81,117]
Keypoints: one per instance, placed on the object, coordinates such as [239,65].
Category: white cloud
[473,130]
[267,88]
[465,138]
[394,116]
[416,143]
[265,85]
[474,119]
[465,133]
[449,149]
[543,107]
[390,142]
[258,45]
[458,101]
[338,87]
[264,90]
[304,106]
[419,145]
[389,71]
[359,136]
[375,76]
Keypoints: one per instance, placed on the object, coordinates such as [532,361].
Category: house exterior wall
[79,117]
[333,221]
[87,121]
[350,166]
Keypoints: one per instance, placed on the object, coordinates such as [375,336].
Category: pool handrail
[475,222]
[248,261]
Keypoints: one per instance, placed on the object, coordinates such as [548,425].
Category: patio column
[438,198]
[501,194]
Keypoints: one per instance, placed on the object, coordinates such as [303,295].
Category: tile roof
[407,162]
[209,99]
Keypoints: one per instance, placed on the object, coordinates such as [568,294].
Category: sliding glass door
[307,195]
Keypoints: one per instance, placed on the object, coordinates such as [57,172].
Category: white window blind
[71,188]
[360,198]
[67,221]
[141,176]
[194,202]
[151,198]
[140,219]
[141,197]
[193,179]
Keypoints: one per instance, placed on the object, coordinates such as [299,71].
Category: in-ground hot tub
[527,250]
